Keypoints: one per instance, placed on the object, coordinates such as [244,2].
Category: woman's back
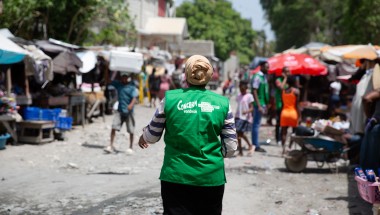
[289,114]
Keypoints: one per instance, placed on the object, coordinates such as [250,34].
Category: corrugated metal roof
[166,26]
[201,47]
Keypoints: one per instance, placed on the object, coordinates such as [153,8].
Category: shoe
[259,149]
[109,149]
[129,152]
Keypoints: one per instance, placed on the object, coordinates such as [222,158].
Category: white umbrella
[89,61]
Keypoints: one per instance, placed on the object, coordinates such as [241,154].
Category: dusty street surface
[76,177]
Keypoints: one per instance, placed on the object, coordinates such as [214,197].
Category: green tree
[69,20]
[216,20]
[297,22]
[362,22]
[336,22]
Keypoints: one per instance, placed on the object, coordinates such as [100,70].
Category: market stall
[310,74]
[10,53]
[62,91]
[88,82]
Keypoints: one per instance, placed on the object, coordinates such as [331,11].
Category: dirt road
[76,177]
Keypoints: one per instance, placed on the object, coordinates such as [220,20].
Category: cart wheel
[296,161]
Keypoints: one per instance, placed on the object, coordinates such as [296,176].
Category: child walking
[243,117]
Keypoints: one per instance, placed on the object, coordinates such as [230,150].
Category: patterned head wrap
[198,70]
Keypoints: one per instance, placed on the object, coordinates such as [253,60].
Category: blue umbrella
[10,52]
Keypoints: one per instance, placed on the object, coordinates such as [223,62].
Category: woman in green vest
[199,133]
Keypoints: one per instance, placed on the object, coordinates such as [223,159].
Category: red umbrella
[298,64]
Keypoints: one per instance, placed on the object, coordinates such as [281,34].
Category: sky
[249,9]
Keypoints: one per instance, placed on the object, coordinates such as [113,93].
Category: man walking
[127,94]
[260,92]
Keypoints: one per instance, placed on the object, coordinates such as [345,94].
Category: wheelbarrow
[319,148]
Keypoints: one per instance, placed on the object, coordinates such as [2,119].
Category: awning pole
[9,81]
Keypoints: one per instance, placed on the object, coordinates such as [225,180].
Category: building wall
[231,66]
[202,47]
[162,8]
[142,10]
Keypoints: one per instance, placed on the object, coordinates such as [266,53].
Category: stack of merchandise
[7,104]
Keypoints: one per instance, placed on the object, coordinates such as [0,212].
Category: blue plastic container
[50,114]
[32,113]
[3,140]
[35,113]
[64,123]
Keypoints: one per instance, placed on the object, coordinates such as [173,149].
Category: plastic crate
[50,114]
[369,191]
[32,113]
[35,113]
[3,140]
[64,123]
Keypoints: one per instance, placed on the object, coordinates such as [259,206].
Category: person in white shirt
[335,88]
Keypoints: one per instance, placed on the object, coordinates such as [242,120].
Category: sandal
[109,149]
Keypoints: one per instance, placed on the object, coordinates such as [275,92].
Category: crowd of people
[280,98]
[195,118]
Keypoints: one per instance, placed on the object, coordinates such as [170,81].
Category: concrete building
[156,25]
[231,66]
[202,47]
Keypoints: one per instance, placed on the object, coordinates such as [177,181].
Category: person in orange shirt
[290,114]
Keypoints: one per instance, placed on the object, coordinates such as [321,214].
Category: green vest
[263,91]
[278,95]
[194,120]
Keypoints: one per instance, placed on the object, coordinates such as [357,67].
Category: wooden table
[36,131]
[9,123]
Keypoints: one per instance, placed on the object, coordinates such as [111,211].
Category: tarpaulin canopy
[352,51]
[10,52]
[64,59]
[47,46]
[313,49]
[67,62]
[38,64]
